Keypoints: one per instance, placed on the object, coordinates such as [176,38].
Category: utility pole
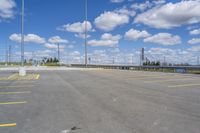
[9,56]
[58,53]
[142,57]
[22,35]
[22,70]
[197,60]
[113,62]
[86,18]
[132,59]
[6,55]
[164,59]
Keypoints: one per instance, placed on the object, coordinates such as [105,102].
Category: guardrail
[177,69]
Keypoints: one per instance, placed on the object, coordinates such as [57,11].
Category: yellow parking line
[16,86]
[8,125]
[12,103]
[16,77]
[12,76]
[165,80]
[18,81]
[145,77]
[38,76]
[183,85]
[23,92]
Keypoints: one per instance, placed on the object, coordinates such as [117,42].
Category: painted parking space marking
[22,92]
[12,103]
[27,86]
[16,77]
[37,76]
[8,125]
[183,85]
[19,81]
[156,77]
[166,80]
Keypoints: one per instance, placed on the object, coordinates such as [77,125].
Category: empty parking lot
[99,101]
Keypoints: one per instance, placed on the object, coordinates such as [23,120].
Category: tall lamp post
[22,71]
[86,18]
[58,53]
[22,35]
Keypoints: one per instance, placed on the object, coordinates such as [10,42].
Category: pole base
[22,71]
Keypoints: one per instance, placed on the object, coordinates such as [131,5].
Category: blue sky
[117,29]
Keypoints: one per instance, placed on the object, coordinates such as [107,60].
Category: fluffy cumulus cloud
[194,49]
[33,38]
[116,1]
[124,10]
[53,46]
[29,38]
[176,56]
[141,6]
[7,9]
[77,27]
[147,4]
[164,39]
[108,21]
[194,41]
[57,39]
[158,2]
[133,34]
[195,32]
[171,15]
[81,35]
[106,40]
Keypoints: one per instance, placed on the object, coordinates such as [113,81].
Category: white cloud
[108,21]
[116,1]
[142,6]
[6,9]
[161,51]
[164,39]
[53,46]
[77,27]
[176,56]
[194,49]
[57,39]
[124,10]
[133,34]
[75,53]
[194,41]
[29,38]
[82,35]
[158,2]
[106,40]
[171,15]
[195,32]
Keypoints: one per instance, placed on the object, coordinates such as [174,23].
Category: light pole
[22,71]
[86,18]
[58,53]
[6,61]
[22,36]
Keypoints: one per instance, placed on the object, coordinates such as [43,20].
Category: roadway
[99,101]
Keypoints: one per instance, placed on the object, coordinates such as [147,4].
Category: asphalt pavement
[99,101]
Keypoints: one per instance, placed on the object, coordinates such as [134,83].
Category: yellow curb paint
[17,77]
[38,76]
[23,92]
[12,103]
[12,76]
[166,80]
[16,86]
[183,85]
[8,125]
